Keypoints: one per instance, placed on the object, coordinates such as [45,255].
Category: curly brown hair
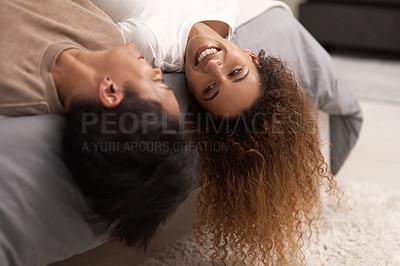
[260,197]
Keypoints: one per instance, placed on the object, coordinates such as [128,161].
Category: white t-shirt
[160,28]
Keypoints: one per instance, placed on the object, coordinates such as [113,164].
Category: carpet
[366,232]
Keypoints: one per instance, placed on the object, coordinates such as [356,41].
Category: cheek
[192,80]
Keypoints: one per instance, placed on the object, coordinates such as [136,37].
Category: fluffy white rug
[368,233]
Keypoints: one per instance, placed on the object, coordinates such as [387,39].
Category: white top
[160,28]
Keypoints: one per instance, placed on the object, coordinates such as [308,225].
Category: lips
[211,49]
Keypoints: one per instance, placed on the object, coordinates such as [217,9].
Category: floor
[375,158]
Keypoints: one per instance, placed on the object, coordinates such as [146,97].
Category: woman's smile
[204,52]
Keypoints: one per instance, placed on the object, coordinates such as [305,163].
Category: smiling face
[127,68]
[222,77]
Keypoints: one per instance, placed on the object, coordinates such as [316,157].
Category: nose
[158,73]
[213,65]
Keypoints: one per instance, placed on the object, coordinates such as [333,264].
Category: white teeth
[142,59]
[205,53]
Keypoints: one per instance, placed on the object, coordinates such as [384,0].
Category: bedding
[42,212]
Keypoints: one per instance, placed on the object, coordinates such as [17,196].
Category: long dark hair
[260,196]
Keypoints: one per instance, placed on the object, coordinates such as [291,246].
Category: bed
[42,212]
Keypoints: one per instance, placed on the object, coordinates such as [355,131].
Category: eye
[209,89]
[235,72]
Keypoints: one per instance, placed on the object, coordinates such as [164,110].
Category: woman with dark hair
[259,197]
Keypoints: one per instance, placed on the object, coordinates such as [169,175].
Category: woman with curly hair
[260,197]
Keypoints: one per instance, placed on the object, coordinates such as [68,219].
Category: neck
[67,72]
[219,27]
[210,27]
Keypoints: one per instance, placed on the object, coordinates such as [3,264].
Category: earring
[108,78]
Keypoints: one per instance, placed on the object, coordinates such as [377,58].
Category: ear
[253,57]
[110,94]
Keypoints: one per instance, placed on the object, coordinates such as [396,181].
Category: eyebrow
[236,80]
